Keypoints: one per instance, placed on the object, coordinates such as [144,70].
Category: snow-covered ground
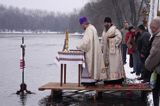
[133,76]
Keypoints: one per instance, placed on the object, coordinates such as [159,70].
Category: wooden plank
[56,86]
[73,86]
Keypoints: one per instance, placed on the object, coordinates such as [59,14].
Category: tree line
[15,19]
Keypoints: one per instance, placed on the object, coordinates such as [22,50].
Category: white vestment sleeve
[118,37]
[84,44]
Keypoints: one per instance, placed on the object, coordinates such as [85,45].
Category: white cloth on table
[73,58]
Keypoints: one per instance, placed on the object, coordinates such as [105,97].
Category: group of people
[144,52]
[136,43]
[106,61]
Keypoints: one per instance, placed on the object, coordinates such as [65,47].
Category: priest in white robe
[90,45]
[111,47]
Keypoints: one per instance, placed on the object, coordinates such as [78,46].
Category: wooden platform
[73,86]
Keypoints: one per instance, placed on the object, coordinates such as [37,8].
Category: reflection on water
[23,99]
[109,99]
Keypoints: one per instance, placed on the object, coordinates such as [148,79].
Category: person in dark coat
[152,62]
[143,48]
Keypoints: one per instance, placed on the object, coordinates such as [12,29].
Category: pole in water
[23,86]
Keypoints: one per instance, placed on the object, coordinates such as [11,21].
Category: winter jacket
[130,42]
[153,60]
[143,44]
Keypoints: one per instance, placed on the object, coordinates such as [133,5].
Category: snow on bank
[133,76]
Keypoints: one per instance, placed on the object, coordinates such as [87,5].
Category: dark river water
[40,69]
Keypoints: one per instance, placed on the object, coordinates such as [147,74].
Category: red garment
[128,34]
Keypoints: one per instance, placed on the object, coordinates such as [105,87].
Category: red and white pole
[23,86]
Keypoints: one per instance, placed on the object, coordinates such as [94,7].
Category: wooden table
[65,57]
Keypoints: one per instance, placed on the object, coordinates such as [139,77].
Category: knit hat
[141,27]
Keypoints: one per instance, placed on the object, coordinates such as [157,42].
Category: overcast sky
[64,6]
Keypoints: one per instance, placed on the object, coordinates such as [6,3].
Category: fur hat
[108,20]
